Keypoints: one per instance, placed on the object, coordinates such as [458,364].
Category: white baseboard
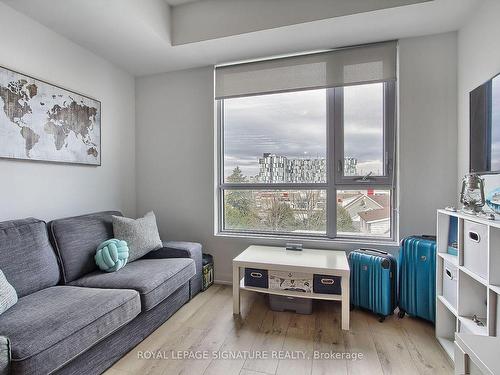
[223,282]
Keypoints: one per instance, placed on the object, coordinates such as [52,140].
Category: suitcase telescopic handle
[374,251]
[428,237]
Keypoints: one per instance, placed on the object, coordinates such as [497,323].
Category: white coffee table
[324,262]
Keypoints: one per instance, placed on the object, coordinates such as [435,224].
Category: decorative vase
[493,200]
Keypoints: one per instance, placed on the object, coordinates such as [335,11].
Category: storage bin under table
[256,277]
[327,284]
[286,303]
[476,248]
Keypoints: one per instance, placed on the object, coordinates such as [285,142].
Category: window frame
[335,181]
[337,108]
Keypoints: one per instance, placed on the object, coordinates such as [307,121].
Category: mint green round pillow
[111,255]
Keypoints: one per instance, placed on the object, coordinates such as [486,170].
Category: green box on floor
[208,271]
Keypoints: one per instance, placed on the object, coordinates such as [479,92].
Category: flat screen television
[485,127]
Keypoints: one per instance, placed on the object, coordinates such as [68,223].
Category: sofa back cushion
[26,256]
[76,240]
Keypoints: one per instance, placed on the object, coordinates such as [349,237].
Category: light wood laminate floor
[206,325]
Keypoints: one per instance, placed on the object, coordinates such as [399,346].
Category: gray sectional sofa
[72,318]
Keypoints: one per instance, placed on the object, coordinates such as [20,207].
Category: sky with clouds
[294,125]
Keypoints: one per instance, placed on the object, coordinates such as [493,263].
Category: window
[312,162]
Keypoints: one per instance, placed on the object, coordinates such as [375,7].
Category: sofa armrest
[4,355]
[179,249]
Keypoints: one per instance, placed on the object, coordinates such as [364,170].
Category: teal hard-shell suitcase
[373,281]
[417,277]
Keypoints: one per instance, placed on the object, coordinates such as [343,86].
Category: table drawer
[327,284]
[256,277]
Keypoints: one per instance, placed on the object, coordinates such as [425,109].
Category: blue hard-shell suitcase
[417,277]
[373,281]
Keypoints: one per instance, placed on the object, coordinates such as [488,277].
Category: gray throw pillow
[141,234]
[8,295]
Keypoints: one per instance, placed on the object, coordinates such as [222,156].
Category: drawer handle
[327,281]
[449,274]
[257,275]
[474,236]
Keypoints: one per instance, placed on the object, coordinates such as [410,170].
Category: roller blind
[341,67]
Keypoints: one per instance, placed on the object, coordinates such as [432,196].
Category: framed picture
[41,121]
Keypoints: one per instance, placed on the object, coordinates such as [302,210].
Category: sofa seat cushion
[154,279]
[52,326]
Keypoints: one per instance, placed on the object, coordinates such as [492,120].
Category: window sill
[280,238]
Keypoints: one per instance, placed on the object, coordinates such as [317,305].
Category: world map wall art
[40,121]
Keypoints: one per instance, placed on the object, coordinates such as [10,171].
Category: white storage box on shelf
[296,281]
[450,284]
[476,248]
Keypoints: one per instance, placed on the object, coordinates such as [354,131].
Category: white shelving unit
[477,270]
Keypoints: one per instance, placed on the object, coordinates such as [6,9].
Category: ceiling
[213,19]
[136,35]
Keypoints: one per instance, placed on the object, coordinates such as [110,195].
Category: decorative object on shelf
[476,320]
[493,200]
[41,121]
[451,208]
[486,215]
[472,196]
[453,236]
[208,271]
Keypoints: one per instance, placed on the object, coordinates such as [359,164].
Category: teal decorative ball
[111,255]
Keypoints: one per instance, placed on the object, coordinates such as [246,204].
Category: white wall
[478,61]
[428,129]
[175,148]
[46,190]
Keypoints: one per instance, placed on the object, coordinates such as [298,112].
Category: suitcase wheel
[381,318]
[401,314]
